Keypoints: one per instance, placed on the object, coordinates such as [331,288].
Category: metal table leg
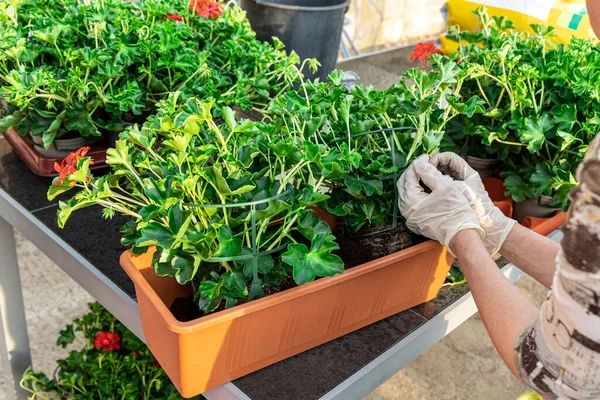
[14,341]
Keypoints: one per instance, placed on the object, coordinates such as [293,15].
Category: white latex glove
[438,215]
[496,225]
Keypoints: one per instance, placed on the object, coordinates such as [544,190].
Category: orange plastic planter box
[201,354]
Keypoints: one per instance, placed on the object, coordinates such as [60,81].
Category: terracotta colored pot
[541,225]
[330,219]
[539,207]
[42,165]
[201,354]
[544,226]
[485,167]
[495,189]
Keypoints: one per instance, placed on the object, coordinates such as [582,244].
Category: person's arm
[534,254]
[505,311]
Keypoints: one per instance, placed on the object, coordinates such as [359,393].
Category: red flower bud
[107,341]
[175,17]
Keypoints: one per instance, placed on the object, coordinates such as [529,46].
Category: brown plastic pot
[329,219]
[485,167]
[44,166]
[539,208]
[201,354]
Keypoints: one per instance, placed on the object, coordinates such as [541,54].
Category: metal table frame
[14,342]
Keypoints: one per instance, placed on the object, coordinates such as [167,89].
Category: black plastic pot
[312,28]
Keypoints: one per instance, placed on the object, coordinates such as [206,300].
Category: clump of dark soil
[185,309]
[272,288]
[445,169]
[373,243]
[424,186]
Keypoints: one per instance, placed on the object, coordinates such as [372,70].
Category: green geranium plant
[69,67]
[225,205]
[532,104]
[112,364]
[359,141]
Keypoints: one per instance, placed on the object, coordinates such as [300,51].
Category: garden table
[88,250]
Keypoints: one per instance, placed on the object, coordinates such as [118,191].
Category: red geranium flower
[68,166]
[107,341]
[175,17]
[423,51]
[209,9]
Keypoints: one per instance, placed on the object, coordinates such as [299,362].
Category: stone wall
[378,24]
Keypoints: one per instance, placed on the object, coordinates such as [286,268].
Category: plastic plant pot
[60,148]
[541,225]
[312,28]
[544,226]
[540,207]
[495,189]
[210,351]
[44,166]
[484,167]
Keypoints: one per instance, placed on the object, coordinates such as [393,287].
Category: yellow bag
[569,17]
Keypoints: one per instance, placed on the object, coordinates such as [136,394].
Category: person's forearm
[505,311]
[534,254]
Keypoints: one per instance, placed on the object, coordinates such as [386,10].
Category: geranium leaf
[316,262]
[534,132]
[517,188]
[564,116]
[230,119]
[541,179]
[156,233]
[186,266]
[309,225]
[235,284]
[264,264]
[149,211]
[229,246]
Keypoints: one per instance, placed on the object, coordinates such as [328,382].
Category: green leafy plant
[83,68]
[113,364]
[530,103]
[213,199]
[359,141]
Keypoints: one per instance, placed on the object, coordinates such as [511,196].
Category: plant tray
[44,166]
[210,351]
[543,226]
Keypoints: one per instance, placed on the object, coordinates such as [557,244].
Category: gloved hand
[438,215]
[496,225]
